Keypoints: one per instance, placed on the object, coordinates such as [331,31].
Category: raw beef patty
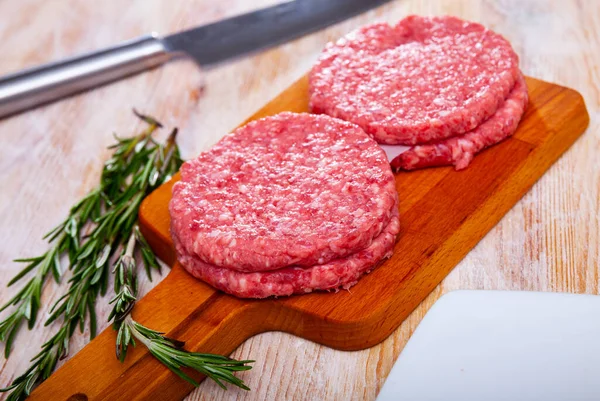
[292,189]
[343,272]
[459,151]
[422,80]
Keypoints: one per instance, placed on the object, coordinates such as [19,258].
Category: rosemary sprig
[169,351]
[64,241]
[108,215]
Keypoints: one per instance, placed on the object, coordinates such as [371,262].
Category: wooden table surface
[550,241]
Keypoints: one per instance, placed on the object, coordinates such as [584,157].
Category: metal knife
[207,45]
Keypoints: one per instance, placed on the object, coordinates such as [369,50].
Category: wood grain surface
[51,156]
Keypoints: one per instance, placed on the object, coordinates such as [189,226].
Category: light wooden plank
[548,242]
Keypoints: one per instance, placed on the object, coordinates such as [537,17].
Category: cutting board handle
[187,310]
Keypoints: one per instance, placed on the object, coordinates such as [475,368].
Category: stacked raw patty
[297,202]
[445,87]
[286,204]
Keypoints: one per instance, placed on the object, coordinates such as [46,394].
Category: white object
[502,345]
[393,151]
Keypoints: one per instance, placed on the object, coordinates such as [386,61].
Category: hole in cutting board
[78,397]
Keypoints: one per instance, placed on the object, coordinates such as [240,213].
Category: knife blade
[259,30]
[207,45]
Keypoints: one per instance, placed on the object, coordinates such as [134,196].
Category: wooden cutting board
[443,214]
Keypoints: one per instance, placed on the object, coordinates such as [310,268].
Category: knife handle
[53,81]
